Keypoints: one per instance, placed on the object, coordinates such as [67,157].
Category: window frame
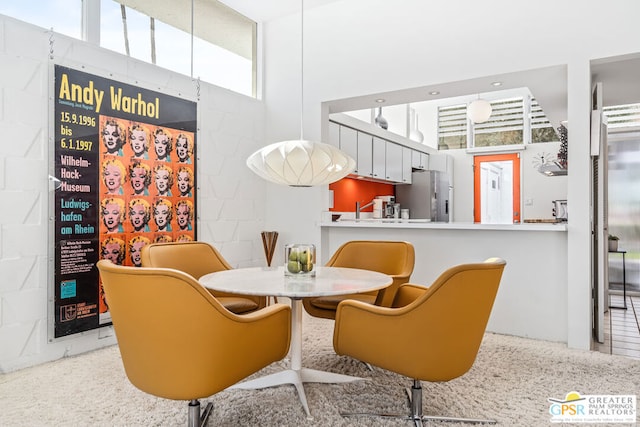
[526,119]
[237,64]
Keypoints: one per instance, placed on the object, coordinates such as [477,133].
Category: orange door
[486,169]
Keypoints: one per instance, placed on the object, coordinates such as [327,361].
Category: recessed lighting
[380,100]
[434,92]
[496,83]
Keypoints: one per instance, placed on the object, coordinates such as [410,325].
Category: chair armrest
[407,293]
[379,335]
[263,313]
[269,327]
[250,341]
[360,326]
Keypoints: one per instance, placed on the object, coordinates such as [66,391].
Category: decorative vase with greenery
[613,243]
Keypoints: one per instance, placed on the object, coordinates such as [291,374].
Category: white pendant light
[479,111]
[301,163]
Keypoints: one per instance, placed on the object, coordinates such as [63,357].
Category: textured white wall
[231,199]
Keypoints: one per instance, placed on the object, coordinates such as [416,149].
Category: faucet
[359,208]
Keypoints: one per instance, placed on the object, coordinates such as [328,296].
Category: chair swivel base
[415,403]
[196,419]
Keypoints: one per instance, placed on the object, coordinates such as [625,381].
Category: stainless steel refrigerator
[427,197]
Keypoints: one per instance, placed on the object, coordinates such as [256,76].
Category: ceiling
[619,75]
[266,10]
[548,86]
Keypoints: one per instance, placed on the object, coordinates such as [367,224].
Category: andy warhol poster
[125,160]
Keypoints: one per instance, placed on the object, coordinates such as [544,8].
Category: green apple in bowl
[306,260]
[294,254]
[294,267]
[299,260]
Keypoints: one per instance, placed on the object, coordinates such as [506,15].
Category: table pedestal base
[296,374]
[297,378]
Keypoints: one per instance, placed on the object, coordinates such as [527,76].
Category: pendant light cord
[302,71]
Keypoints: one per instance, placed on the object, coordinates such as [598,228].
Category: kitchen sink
[383,220]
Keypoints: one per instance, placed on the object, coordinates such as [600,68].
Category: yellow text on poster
[91,96]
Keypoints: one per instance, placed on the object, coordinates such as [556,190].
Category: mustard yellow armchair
[396,259]
[198,259]
[429,334]
[178,342]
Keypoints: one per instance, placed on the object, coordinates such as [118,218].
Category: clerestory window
[224,41]
[622,116]
[514,121]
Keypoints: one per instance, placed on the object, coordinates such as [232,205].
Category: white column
[579,193]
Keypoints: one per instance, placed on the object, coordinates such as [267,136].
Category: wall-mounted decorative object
[542,159]
[548,164]
[125,177]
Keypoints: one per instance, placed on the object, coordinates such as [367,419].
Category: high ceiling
[620,76]
[266,10]
[548,85]
[620,79]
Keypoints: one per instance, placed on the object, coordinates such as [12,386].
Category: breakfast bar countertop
[426,224]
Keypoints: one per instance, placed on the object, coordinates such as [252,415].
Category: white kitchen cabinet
[419,160]
[377,157]
[394,162]
[365,154]
[349,144]
[406,165]
[379,165]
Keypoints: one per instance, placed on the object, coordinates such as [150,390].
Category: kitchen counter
[532,299]
[427,224]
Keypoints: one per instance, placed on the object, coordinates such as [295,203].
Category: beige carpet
[510,381]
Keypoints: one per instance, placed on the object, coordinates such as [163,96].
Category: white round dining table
[271,281]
